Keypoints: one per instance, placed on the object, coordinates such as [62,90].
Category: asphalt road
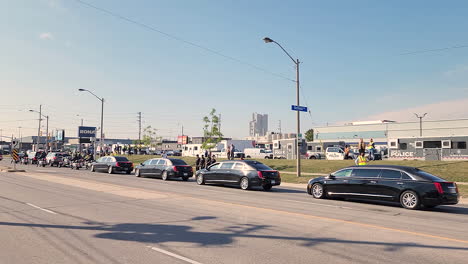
[56,215]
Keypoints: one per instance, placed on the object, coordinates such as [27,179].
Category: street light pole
[39,128]
[298,119]
[102,118]
[420,122]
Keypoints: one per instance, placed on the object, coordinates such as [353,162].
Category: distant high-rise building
[258,125]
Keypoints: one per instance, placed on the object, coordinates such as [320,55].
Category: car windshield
[121,159]
[178,162]
[258,165]
[426,175]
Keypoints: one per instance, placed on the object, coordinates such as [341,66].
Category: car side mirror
[142,164]
[208,168]
[331,177]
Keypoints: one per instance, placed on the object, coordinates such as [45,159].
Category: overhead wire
[191,43]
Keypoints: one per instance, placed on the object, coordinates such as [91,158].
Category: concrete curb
[9,169]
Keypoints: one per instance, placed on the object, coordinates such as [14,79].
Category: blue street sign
[299,108]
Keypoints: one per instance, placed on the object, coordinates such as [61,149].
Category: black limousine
[411,187]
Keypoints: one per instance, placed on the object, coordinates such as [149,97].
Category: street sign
[299,108]
[14,155]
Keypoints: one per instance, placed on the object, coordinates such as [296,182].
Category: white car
[258,153]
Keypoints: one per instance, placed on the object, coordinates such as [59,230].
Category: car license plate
[185,174]
[273,182]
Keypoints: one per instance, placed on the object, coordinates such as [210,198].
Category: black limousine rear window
[121,159]
[178,162]
[259,166]
[427,175]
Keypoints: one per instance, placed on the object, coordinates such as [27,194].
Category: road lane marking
[40,208]
[124,191]
[174,255]
[327,205]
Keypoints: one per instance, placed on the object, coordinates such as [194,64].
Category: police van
[334,153]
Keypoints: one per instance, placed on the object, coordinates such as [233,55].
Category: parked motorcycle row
[58,159]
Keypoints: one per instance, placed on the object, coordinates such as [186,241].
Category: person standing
[197,163]
[213,159]
[233,149]
[346,152]
[228,152]
[202,162]
[361,159]
[208,161]
[164,155]
[371,147]
[362,147]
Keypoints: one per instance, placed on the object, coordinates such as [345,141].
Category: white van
[334,153]
[258,153]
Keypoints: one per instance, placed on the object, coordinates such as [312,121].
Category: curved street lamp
[298,120]
[39,128]
[102,117]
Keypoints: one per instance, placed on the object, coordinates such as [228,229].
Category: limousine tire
[164,176]
[317,191]
[137,173]
[410,200]
[200,179]
[92,168]
[244,183]
[110,170]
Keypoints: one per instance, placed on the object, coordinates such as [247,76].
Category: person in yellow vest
[371,148]
[361,160]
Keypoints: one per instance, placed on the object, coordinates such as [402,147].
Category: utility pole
[279,126]
[39,128]
[139,127]
[47,134]
[420,122]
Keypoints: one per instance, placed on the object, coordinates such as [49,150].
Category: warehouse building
[429,140]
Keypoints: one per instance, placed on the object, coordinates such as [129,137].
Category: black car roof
[405,168]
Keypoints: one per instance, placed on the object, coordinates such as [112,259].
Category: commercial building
[429,140]
[259,125]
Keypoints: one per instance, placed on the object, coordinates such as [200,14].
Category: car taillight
[174,168]
[439,187]
[55,158]
[117,164]
[260,174]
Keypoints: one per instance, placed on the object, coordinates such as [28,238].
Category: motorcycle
[41,162]
[76,164]
[24,160]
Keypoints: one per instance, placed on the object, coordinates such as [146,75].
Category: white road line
[327,205]
[40,208]
[174,255]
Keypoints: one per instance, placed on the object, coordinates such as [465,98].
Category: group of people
[362,160]
[203,163]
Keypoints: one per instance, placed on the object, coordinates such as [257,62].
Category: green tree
[211,132]
[309,135]
[150,137]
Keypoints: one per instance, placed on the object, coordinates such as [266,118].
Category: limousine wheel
[164,176]
[200,179]
[410,200]
[137,173]
[317,191]
[92,168]
[244,183]
[110,170]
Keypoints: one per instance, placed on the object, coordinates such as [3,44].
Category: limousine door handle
[373,181]
[345,181]
[400,183]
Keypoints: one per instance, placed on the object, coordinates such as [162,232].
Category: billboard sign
[60,135]
[182,140]
[86,132]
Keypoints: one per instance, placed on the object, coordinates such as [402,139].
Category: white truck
[258,153]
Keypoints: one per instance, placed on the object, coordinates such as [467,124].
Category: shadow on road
[160,233]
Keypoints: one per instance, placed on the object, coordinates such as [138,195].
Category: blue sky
[351,52]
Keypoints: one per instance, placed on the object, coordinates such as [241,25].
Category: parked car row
[411,187]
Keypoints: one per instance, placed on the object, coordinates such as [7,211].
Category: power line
[151,28]
[433,50]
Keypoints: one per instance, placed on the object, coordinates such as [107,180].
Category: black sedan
[165,168]
[111,164]
[243,173]
[409,186]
